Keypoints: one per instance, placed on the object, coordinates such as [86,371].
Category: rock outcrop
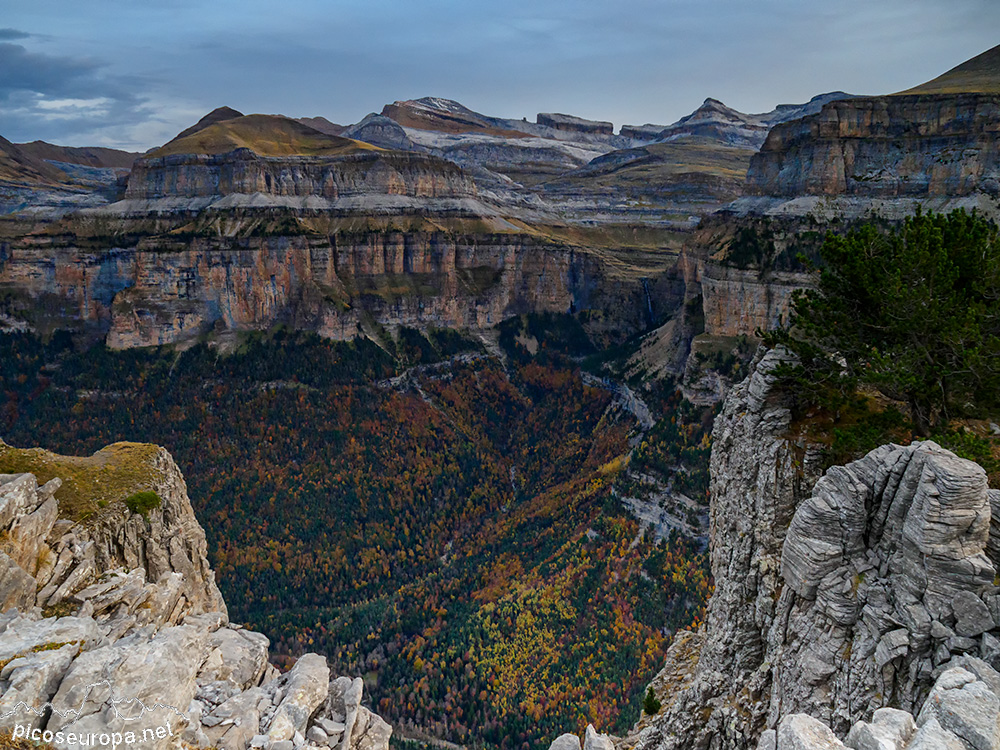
[380,131]
[155,561]
[113,632]
[715,120]
[327,178]
[592,740]
[962,712]
[572,124]
[834,598]
[885,147]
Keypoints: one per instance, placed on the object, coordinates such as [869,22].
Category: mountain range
[557,169]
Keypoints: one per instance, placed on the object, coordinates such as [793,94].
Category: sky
[132,73]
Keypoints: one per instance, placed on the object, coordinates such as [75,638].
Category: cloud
[47,75]
[141,72]
[65,98]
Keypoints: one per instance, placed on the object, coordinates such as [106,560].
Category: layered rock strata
[895,147]
[156,292]
[116,633]
[370,179]
[834,598]
[243,171]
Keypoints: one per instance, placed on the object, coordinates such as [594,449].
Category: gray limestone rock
[941,632]
[972,616]
[243,652]
[898,723]
[371,732]
[156,669]
[17,586]
[964,705]
[24,634]
[989,649]
[235,722]
[343,704]
[317,736]
[565,741]
[889,729]
[932,736]
[801,732]
[594,741]
[960,645]
[306,688]
[33,679]
[768,740]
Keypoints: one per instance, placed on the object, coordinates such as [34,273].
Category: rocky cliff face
[854,159]
[888,147]
[113,627]
[572,124]
[63,556]
[736,302]
[244,172]
[153,293]
[833,598]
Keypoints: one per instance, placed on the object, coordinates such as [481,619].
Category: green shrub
[143,502]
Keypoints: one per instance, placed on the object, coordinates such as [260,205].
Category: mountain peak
[219,114]
[265,135]
[979,75]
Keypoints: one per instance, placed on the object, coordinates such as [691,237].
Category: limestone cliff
[834,598]
[328,177]
[65,541]
[572,124]
[901,146]
[112,625]
[853,160]
[158,290]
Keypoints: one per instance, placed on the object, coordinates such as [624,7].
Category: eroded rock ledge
[134,637]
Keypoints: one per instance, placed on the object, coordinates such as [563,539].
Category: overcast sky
[132,73]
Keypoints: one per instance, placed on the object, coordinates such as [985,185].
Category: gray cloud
[47,96]
[26,71]
[152,69]
[6,34]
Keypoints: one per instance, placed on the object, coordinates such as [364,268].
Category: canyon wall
[243,171]
[896,147]
[855,160]
[156,292]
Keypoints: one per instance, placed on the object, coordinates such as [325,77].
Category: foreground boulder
[962,712]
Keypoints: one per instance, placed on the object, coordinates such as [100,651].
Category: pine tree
[650,704]
[913,312]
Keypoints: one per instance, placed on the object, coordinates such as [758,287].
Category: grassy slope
[673,159]
[110,475]
[17,165]
[266,135]
[90,156]
[979,75]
